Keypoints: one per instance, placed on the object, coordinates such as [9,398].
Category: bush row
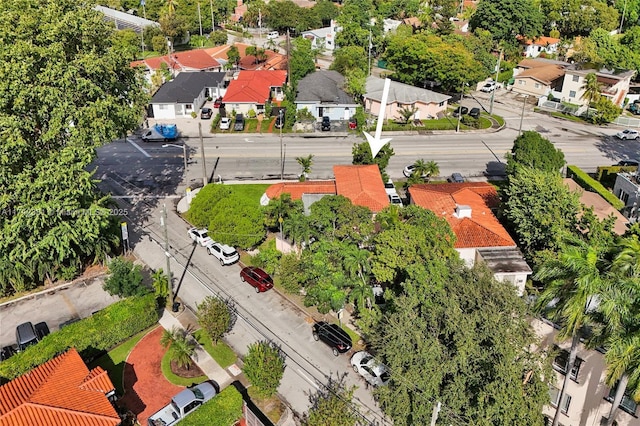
[590,184]
[90,336]
[223,410]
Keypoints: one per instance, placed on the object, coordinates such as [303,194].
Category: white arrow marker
[375,143]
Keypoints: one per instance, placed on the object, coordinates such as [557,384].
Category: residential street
[146,175]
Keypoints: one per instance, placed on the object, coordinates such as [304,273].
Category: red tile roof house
[61,391]
[362,184]
[252,89]
[274,61]
[177,62]
[479,235]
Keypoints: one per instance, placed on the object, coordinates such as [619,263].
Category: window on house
[441,104]
[554,396]
[627,404]
[162,107]
[188,106]
[623,196]
[522,82]
[564,408]
[562,360]
[576,78]
[537,85]
[572,93]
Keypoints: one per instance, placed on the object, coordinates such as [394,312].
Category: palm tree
[161,284]
[181,346]
[573,282]
[356,262]
[171,6]
[591,89]
[423,170]
[305,163]
[620,308]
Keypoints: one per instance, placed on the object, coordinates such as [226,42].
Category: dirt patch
[186,373]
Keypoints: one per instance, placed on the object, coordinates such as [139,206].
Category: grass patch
[165,365]
[251,191]
[223,410]
[499,119]
[355,337]
[484,122]
[114,361]
[220,352]
[568,117]
[271,407]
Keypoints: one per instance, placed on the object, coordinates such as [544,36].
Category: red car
[258,278]
[217,103]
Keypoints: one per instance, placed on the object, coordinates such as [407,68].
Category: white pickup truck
[182,404]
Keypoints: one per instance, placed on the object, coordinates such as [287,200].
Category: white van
[273,35]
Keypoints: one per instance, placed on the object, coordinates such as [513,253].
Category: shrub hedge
[590,184]
[90,336]
[223,410]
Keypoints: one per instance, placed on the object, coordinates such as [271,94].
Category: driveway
[145,388]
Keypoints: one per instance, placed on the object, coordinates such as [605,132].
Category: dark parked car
[326,123]
[332,335]
[7,352]
[628,163]
[279,124]
[238,126]
[257,278]
[25,336]
[461,110]
[456,178]
[42,329]
[474,112]
[206,113]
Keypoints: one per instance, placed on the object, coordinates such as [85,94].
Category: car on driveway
[218,102]
[474,112]
[224,253]
[279,124]
[390,188]
[461,110]
[225,123]
[628,163]
[375,373]
[7,352]
[326,124]
[408,171]
[456,178]
[257,278]
[200,236]
[25,336]
[488,87]
[395,200]
[206,113]
[333,336]
[238,126]
[42,330]
[627,134]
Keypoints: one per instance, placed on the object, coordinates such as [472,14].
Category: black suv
[332,335]
[326,123]
[239,124]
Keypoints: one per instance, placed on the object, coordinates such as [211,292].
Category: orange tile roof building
[479,235]
[189,60]
[61,391]
[252,89]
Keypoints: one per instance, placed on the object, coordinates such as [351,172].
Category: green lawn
[220,352]
[177,380]
[114,361]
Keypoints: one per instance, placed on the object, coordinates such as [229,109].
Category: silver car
[375,373]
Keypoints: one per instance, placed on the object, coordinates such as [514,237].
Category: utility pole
[163,222]
[524,102]
[281,155]
[144,9]
[434,415]
[200,19]
[288,56]
[493,92]
[460,108]
[213,26]
[204,167]
[369,58]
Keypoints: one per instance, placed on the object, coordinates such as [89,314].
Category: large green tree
[65,90]
[459,337]
[264,367]
[530,149]
[579,17]
[506,19]
[332,406]
[301,60]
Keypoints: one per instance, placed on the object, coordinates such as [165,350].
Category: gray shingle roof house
[321,93]
[186,93]
[428,103]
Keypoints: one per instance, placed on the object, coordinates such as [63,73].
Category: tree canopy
[66,90]
[530,149]
[506,19]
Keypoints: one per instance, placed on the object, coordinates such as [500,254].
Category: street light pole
[281,154]
[460,108]
[184,154]
[204,167]
[524,102]
[493,92]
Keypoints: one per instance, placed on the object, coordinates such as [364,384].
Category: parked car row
[227,255]
[462,110]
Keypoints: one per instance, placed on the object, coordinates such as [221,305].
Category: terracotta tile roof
[296,189]
[61,391]
[254,86]
[540,41]
[197,59]
[482,229]
[275,61]
[362,185]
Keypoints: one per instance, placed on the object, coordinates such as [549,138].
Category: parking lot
[54,306]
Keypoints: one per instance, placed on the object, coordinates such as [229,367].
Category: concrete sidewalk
[201,357]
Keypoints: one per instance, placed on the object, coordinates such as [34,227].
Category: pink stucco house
[429,104]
